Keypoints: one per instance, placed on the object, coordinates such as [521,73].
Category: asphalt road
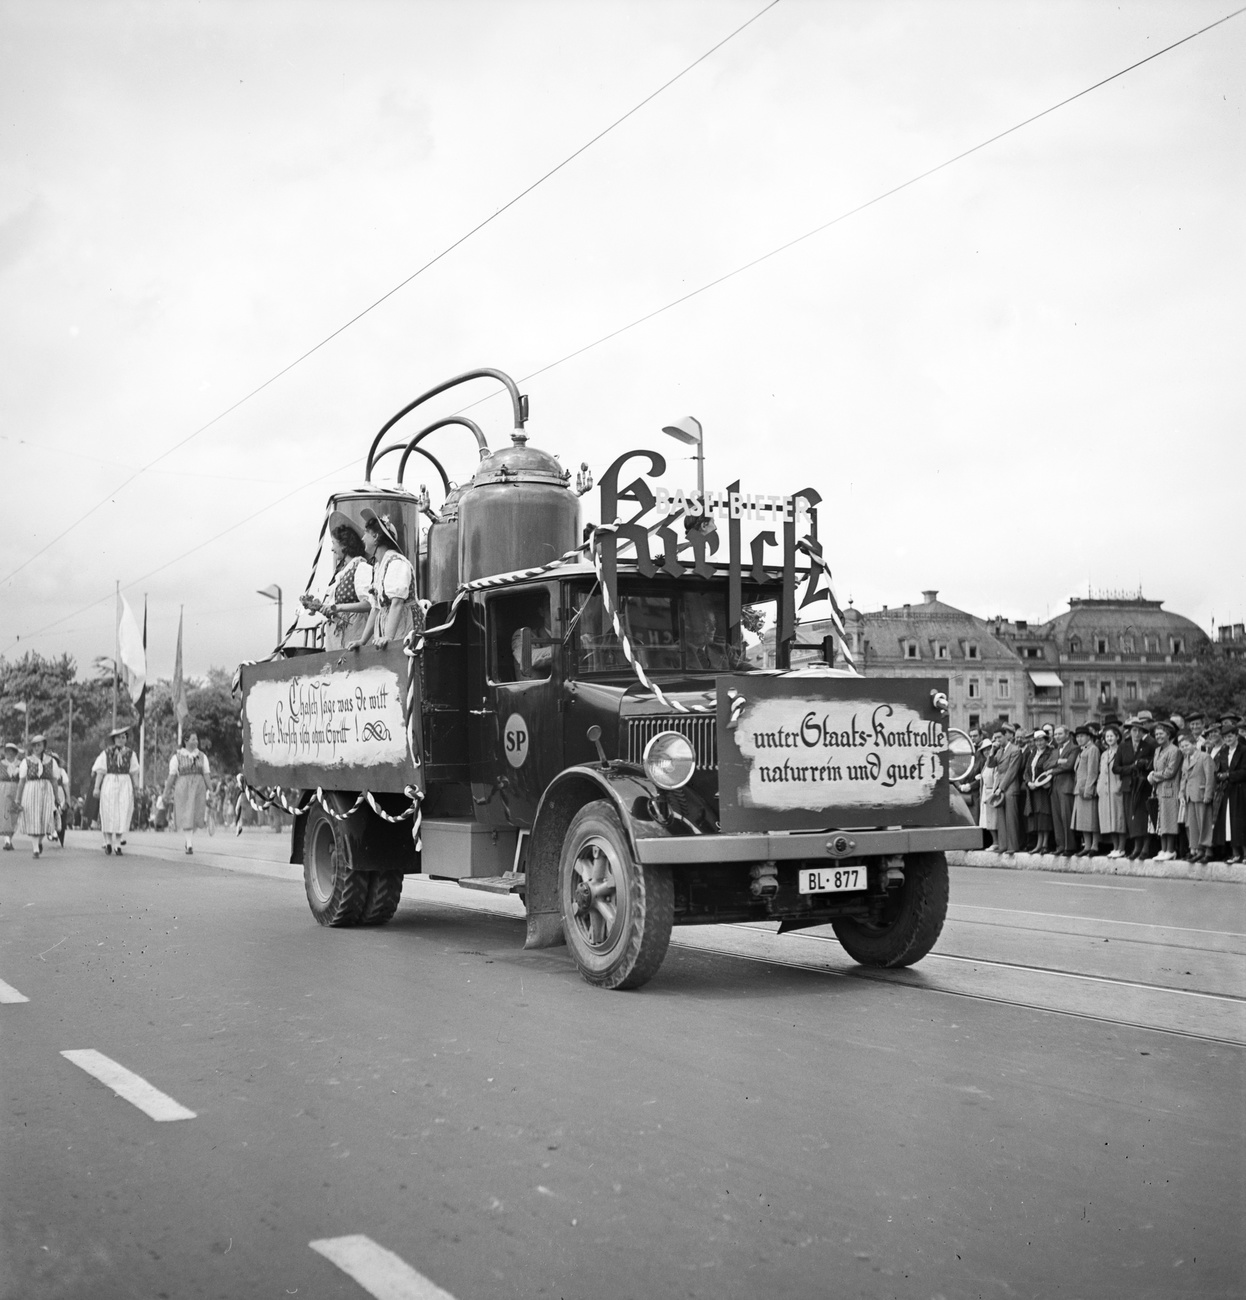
[1050,1105]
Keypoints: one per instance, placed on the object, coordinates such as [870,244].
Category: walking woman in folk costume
[187,784]
[37,780]
[391,593]
[10,765]
[116,783]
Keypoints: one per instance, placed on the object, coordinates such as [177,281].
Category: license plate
[831,880]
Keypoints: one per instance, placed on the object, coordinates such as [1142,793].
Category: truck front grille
[701,729]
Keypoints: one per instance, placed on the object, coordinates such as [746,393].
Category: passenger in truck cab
[391,593]
[536,625]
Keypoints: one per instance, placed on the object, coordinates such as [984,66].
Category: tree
[1213,686]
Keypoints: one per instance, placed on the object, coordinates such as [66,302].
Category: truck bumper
[699,849]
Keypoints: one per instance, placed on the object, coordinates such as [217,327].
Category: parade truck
[585,717]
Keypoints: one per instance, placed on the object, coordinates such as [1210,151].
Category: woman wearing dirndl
[37,780]
[116,783]
[345,605]
[10,765]
[391,592]
[188,784]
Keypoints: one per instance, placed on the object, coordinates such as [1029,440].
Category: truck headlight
[669,760]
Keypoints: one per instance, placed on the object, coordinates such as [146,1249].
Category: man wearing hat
[1063,782]
[37,779]
[1132,763]
[1198,788]
[391,593]
[116,783]
[1008,792]
[10,764]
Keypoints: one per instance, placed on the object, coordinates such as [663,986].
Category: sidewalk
[257,851]
[1103,866]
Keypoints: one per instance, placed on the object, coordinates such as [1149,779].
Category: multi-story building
[1231,643]
[1106,654]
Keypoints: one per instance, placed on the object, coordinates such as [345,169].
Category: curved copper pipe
[519,406]
[407,449]
[413,445]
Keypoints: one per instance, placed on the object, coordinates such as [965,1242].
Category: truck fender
[565,795]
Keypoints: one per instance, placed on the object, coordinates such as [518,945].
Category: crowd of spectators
[1155,788]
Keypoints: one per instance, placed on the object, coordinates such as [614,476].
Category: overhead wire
[675,302]
[285,370]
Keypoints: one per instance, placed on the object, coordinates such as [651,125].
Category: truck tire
[616,913]
[911,922]
[384,891]
[336,891]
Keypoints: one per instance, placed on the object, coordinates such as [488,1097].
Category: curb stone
[1222,872]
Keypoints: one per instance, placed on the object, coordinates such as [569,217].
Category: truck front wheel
[911,921]
[336,891]
[616,913]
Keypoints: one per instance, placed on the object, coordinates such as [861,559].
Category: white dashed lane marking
[9,994]
[129,1086]
[380,1272]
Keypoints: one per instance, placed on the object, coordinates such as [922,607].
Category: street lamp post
[274,593]
[688,430]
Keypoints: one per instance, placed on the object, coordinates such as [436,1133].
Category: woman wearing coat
[1086,792]
[1111,806]
[1165,779]
[988,812]
[1038,774]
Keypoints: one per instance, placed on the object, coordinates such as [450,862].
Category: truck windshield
[669,630]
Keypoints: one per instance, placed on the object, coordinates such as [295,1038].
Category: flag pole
[116,655]
[176,703]
[142,718]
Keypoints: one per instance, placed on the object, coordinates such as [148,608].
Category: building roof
[1086,616]
[932,620]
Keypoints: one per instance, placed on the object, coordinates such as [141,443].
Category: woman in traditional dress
[116,781]
[37,779]
[391,592]
[10,764]
[1111,804]
[1086,792]
[188,785]
[1165,778]
[346,604]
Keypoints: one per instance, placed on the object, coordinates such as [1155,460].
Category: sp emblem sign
[515,740]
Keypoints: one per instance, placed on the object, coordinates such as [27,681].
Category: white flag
[133,654]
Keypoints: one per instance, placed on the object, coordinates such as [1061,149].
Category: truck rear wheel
[336,891]
[911,921]
[384,891]
[616,913]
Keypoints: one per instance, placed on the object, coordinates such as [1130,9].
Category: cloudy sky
[1014,378]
